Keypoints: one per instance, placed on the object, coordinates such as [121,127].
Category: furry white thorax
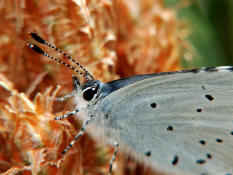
[96,127]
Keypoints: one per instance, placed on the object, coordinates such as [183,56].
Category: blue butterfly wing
[179,122]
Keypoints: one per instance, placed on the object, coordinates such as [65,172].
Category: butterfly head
[88,90]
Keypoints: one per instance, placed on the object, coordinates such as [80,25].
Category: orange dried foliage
[112,38]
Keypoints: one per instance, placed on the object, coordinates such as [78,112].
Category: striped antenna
[42,41]
[40,51]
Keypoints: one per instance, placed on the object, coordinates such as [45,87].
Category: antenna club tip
[29,45]
[37,38]
[33,34]
[29,33]
[36,48]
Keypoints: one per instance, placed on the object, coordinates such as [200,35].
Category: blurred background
[113,39]
[210,24]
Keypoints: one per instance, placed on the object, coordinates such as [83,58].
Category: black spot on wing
[203,87]
[148,153]
[231,132]
[175,160]
[170,128]
[199,110]
[204,174]
[209,156]
[202,142]
[106,116]
[219,140]
[200,161]
[153,105]
[209,97]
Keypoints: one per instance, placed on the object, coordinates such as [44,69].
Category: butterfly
[177,122]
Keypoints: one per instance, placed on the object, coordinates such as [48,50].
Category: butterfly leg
[113,157]
[78,135]
[69,114]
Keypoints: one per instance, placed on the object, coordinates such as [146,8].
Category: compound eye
[89,93]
